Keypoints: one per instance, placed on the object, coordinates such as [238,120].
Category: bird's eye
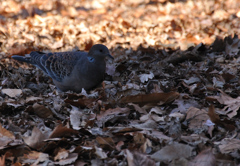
[101,50]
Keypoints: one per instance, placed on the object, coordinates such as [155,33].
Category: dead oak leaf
[206,157]
[5,137]
[72,157]
[105,142]
[228,145]
[136,158]
[35,157]
[232,104]
[112,115]
[233,46]
[6,133]
[196,117]
[227,124]
[2,160]
[194,139]
[36,139]
[172,152]
[161,98]
[12,92]
[42,111]
[61,154]
[62,131]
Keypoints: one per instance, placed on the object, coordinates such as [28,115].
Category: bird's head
[99,51]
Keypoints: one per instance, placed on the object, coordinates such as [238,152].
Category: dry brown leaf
[12,92]
[119,145]
[57,44]
[80,163]
[227,124]
[42,111]
[99,11]
[162,98]
[32,99]
[82,102]
[233,48]
[156,135]
[194,139]
[172,152]
[5,133]
[72,12]
[36,139]
[205,158]
[229,145]
[100,153]
[61,154]
[69,160]
[136,159]
[213,116]
[18,50]
[139,138]
[62,131]
[105,142]
[196,117]
[148,124]
[35,157]
[220,14]
[110,114]
[137,108]
[116,130]
[232,104]
[2,160]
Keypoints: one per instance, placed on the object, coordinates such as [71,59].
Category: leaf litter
[170,97]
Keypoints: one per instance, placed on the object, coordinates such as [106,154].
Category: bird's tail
[22,58]
[33,59]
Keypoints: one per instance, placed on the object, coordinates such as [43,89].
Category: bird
[72,71]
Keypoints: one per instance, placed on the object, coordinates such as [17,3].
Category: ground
[171,96]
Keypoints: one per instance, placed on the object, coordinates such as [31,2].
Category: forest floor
[171,96]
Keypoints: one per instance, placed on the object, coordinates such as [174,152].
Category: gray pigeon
[72,70]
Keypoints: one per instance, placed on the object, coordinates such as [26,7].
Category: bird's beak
[110,56]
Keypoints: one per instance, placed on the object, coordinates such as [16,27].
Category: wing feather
[60,65]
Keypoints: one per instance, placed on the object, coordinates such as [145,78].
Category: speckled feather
[72,70]
[53,63]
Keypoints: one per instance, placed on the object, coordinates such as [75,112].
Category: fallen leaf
[72,157]
[205,158]
[61,154]
[42,111]
[196,117]
[6,133]
[229,145]
[232,105]
[62,131]
[162,98]
[2,160]
[146,77]
[36,139]
[106,143]
[136,158]
[75,119]
[227,124]
[100,153]
[12,92]
[172,152]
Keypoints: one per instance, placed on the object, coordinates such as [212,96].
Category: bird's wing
[57,65]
